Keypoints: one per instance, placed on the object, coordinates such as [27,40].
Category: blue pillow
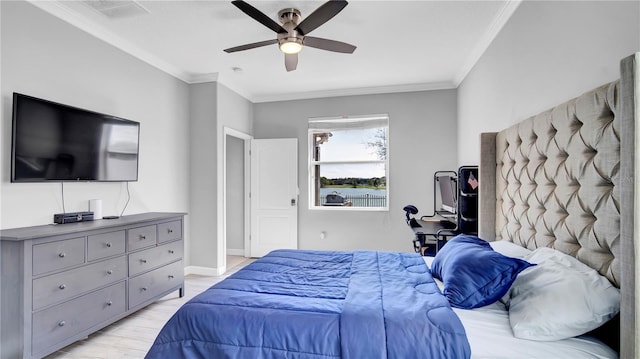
[474,275]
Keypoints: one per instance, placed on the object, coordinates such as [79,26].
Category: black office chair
[411,209]
[419,239]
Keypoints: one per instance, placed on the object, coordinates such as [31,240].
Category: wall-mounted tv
[56,142]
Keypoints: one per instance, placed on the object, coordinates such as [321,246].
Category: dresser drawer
[146,286]
[60,322]
[105,245]
[58,287]
[154,257]
[141,237]
[169,231]
[56,255]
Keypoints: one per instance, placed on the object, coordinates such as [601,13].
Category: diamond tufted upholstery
[566,179]
[556,181]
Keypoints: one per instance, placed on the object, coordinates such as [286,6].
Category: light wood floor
[131,337]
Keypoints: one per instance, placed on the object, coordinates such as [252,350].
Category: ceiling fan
[292,36]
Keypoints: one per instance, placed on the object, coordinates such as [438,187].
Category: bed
[292,304]
[556,189]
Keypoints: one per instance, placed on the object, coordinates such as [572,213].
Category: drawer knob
[109,303]
[169,230]
[170,251]
[142,237]
[170,276]
[144,289]
[109,272]
[108,244]
[61,323]
[143,261]
[62,255]
[62,286]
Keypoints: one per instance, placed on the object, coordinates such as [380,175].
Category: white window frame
[329,124]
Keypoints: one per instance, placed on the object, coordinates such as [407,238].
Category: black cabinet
[468,199]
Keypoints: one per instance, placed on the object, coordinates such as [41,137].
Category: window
[348,163]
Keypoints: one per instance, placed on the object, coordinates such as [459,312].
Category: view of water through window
[349,164]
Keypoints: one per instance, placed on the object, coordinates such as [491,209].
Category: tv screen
[56,142]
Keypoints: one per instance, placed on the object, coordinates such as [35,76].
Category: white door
[274,195]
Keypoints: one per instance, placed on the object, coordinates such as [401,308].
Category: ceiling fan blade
[322,14]
[259,16]
[329,45]
[251,46]
[290,61]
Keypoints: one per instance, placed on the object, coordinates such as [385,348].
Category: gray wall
[547,53]
[45,57]
[235,194]
[202,182]
[213,106]
[234,112]
[422,140]
[181,127]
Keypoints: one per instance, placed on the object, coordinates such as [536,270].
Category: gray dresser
[62,282]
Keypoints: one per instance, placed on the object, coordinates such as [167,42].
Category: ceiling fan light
[290,47]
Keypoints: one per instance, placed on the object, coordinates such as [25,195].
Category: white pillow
[559,298]
[510,249]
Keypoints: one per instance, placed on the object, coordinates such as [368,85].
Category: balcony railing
[367,200]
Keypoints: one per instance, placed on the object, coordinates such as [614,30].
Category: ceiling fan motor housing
[289,14]
[289,18]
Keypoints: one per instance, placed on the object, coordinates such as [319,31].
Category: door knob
[293,202]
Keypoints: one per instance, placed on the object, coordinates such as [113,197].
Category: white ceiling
[401,45]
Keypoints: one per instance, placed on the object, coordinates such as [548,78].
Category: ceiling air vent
[116,9]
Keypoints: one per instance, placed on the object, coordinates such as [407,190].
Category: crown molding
[58,10]
[354,92]
[228,82]
[200,78]
[504,14]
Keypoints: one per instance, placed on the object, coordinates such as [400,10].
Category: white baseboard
[207,271]
[235,252]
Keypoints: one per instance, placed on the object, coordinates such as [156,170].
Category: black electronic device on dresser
[72,217]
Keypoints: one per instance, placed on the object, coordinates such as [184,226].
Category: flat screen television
[56,142]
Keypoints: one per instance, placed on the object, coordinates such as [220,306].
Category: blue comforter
[317,304]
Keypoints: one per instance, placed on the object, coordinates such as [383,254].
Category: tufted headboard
[565,179]
[555,180]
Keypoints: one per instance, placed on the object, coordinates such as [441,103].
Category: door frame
[222,215]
